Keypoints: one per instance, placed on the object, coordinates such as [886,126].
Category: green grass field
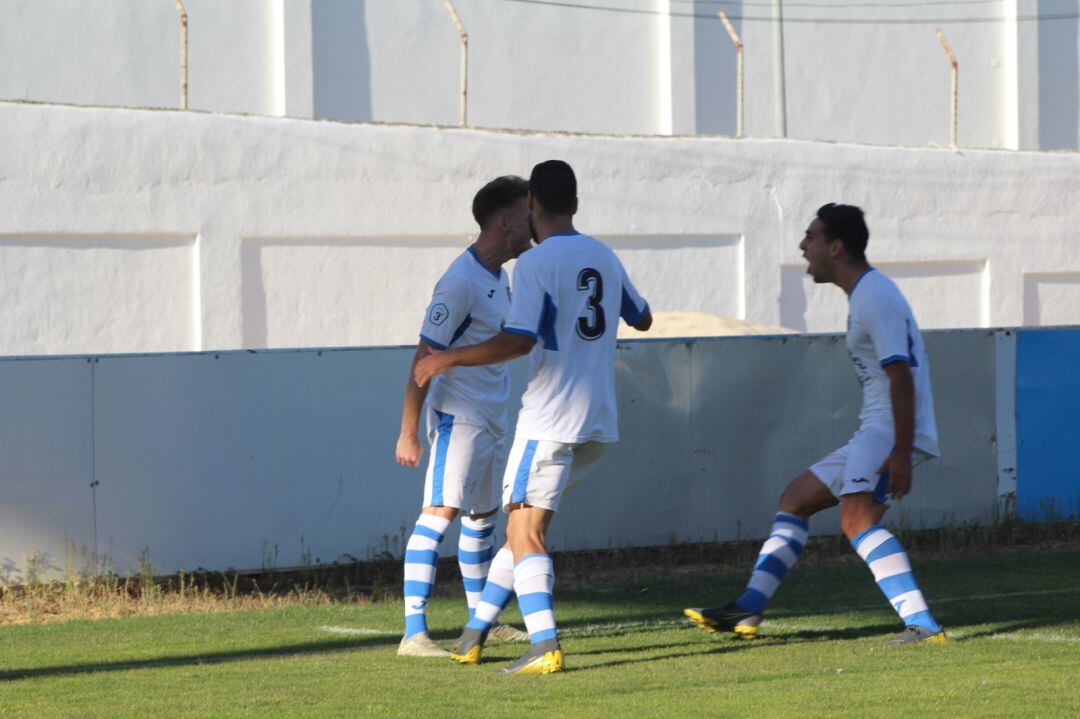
[1014,618]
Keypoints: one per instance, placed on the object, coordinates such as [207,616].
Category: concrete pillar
[294,74]
[675,73]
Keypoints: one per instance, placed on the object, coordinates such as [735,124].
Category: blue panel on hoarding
[1047,427]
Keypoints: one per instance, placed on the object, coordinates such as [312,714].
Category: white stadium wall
[151,231]
[253,459]
[856,74]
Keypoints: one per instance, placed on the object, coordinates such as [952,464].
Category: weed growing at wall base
[1013,617]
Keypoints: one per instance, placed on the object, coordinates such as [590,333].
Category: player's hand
[898,465]
[427,367]
[409,450]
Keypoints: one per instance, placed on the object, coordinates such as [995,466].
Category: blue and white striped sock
[892,572]
[475,549]
[534,580]
[497,591]
[778,555]
[421,560]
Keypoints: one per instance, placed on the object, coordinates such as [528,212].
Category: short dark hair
[496,195]
[846,223]
[554,186]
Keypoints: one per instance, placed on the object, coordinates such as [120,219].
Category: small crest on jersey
[438,314]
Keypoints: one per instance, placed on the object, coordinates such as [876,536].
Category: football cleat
[545,657]
[728,618]
[507,633]
[469,647]
[916,635]
[420,645]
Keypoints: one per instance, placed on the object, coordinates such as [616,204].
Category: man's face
[519,228]
[819,252]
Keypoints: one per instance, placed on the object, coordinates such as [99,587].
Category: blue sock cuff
[863,534]
[792,519]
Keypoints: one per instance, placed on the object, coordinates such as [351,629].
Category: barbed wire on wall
[989,19]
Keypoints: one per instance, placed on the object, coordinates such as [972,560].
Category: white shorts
[539,471]
[854,467]
[464,467]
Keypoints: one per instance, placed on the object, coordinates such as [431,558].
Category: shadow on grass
[288,650]
[698,651]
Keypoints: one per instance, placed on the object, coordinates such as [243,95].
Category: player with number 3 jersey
[569,293]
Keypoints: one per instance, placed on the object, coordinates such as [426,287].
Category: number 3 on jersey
[592,324]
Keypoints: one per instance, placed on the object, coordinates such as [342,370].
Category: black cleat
[728,618]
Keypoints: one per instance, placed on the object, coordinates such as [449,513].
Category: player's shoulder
[458,277]
[876,291]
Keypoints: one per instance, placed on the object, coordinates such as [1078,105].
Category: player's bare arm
[902,394]
[409,450]
[503,347]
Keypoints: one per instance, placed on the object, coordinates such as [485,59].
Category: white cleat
[420,645]
[507,633]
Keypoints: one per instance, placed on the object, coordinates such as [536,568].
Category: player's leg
[476,546]
[443,488]
[543,474]
[477,539]
[861,511]
[475,552]
[421,562]
[499,587]
[804,496]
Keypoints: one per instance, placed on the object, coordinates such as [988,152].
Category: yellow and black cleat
[468,656]
[543,658]
[728,618]
[469,647]
[917,635]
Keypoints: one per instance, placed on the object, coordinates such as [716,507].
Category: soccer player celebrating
[568,295]
[466,412]
[896,431]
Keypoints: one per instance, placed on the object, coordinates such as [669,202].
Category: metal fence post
[183,54]
[738,70]
[955,72]
[464,117]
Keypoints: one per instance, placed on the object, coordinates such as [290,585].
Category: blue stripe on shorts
[521,481]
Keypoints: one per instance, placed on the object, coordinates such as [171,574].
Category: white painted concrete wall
[149,231]
[857,74]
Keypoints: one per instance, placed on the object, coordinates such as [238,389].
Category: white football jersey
[469,306]
[882,330]
[569,293]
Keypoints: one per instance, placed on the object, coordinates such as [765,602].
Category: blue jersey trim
[568,233]
[518,331]
[433,343]
[911,344]
[898,358]
[629,311]
[461,329]
[546,329]
[486,268]
[864,274]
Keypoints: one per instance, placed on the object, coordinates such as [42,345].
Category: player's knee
[856,518]
[444,512]
[525,540]
[793,501]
